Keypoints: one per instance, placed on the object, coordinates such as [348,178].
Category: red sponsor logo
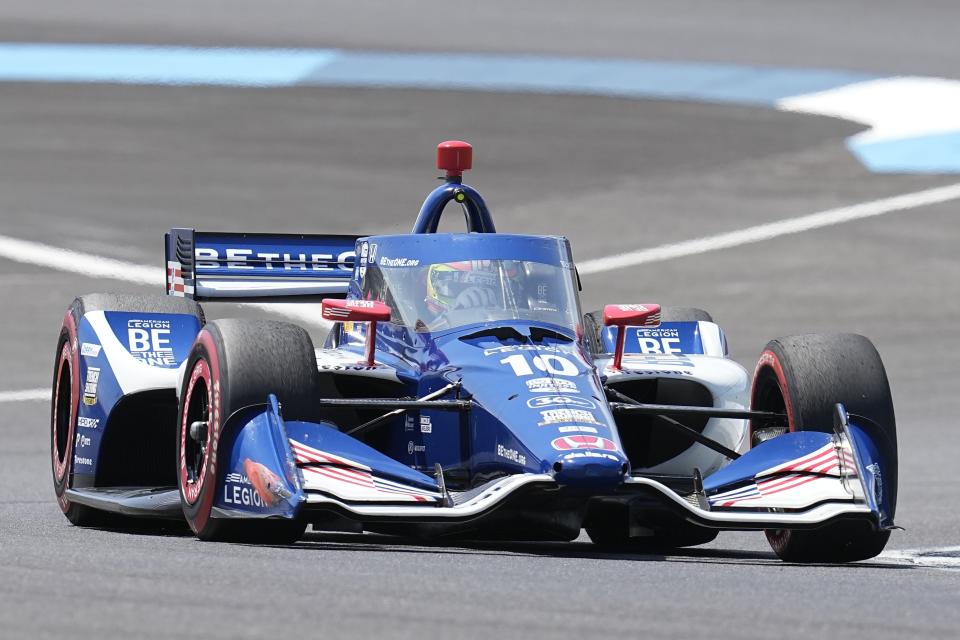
[568,443]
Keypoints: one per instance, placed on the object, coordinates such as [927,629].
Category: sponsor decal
[425,425]
[350,367]
[658,333]
[551,385]
[660,346]
[658,372]
[511,454]
[510,348]
[176,284]
[639,308]
[560,401]
[209,258]
[362,262]
[88,423]
[237,489]
[577,429]
[149,342]
[557,416]
[399,262]
[409,423]
[877,481]
[90,350]
[81,441]
[80,460]
[358,304]
[373,252]
[90,387]
[566,443]
[591,454]
[415,448]
[658,360]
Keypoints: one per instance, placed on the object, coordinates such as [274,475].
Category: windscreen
[444,295]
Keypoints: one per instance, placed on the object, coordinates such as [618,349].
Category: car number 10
[548,363]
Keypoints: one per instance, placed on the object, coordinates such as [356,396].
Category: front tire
[805,377]
[235,364]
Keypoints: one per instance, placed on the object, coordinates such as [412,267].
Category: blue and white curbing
[914,122]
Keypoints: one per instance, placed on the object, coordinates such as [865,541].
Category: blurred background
[621,125]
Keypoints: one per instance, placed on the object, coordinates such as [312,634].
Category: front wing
[795,481]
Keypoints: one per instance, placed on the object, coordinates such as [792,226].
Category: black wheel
[805,377]
[235,364]
[593,323]
[65,402]
[608,527]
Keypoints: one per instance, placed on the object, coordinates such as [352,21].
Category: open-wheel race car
[460,392]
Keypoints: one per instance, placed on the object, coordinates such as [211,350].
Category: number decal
[548,363]
[557,365]
[519,363]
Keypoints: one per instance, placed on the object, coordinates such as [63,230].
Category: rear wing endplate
[213,265]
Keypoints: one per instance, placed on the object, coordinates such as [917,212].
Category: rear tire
[805,377]
[235,364]
[65,402]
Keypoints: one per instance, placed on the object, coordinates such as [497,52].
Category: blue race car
[460,392]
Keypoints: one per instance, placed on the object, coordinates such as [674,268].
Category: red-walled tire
[63,424]
[805,377]
[235,364]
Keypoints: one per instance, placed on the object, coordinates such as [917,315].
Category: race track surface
[106,169]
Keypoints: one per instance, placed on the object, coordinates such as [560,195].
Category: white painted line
[934,558]
[762,232]
[86,264]
[24,395]
[93,266]
[96,266]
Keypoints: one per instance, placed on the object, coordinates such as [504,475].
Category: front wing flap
[797,480]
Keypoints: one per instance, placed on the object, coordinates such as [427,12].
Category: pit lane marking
[771,230]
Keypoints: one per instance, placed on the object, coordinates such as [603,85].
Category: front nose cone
[590,468]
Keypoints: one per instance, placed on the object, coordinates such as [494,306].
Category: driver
[462,285]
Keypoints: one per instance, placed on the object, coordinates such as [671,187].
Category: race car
[460,392]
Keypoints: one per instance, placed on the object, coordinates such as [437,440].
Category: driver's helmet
[462,285]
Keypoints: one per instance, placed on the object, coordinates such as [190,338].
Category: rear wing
[212,265]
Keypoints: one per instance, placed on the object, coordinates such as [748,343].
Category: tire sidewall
[205,361]
[67,356]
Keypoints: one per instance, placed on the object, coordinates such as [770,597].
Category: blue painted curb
[640,79]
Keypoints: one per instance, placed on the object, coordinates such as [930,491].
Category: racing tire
[65,400]
[593,322]
[805,377]
[235,364]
